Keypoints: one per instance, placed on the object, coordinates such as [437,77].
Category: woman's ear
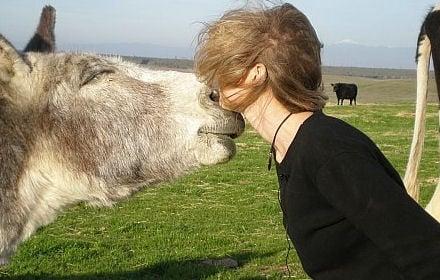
[257,75]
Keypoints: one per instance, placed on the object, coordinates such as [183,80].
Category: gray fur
[76,127]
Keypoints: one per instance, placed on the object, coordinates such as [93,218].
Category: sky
[175,23]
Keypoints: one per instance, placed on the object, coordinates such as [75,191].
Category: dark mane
[422,34]
[44,38]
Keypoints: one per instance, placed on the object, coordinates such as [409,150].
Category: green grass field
[230,210]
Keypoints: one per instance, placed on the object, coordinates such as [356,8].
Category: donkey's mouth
[215,145]
[227,130]
[232,128]
[220,134]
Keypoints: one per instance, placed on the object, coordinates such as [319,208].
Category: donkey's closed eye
[94,76]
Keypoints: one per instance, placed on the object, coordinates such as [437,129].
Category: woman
[345,207]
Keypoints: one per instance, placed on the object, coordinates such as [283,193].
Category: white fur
[184,91]
[183,88]
[410,179]
[45,189]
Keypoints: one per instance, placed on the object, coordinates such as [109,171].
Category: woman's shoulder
[322,137]
[331,133]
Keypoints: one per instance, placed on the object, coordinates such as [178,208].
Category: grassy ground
[229,210]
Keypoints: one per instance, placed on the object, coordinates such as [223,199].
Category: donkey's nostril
[214,95]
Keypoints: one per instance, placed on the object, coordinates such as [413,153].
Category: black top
[346,209]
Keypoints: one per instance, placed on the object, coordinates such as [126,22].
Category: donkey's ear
[12,64]
[44,38]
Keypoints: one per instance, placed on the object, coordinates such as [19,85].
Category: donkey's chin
[215,148]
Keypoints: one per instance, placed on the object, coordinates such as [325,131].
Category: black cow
[345,91]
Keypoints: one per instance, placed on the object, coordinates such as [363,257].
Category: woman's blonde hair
[281,38]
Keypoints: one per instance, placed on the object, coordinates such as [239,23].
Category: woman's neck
[266,115]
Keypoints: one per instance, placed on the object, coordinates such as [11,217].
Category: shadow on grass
[186,269]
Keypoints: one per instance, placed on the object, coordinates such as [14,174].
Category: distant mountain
[347,53]
[351,54]
[131,49]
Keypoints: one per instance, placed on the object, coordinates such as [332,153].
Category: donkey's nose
[214,95]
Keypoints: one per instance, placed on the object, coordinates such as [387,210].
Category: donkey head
[77,127]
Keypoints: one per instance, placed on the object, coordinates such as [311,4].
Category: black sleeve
[377,205]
